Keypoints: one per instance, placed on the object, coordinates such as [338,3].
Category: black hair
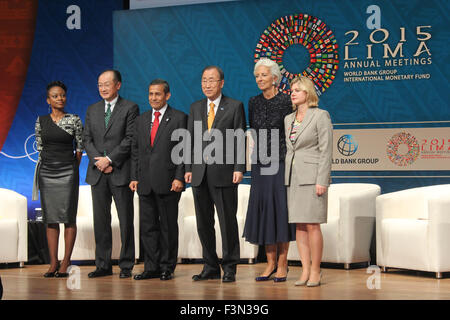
[56,84]
[117,75]
[219,70]
[163,82]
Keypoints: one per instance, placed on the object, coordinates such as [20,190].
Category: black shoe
[229,277]
[166,275]
[100,273]
[147,275]
[61,274]
[125,273]
[206,276]
[51,274]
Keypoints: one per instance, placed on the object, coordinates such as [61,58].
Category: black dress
[267,215]
[57,168]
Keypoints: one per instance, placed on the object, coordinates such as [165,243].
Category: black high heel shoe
[266,278]
[51,274]
[62,274]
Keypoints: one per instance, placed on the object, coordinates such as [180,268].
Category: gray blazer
[311,152]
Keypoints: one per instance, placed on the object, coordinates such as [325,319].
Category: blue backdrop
[175,43]
[75,56]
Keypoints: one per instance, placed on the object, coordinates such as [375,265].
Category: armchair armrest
[356,223]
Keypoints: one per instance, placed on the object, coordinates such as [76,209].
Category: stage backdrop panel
[73,43]
[376,67]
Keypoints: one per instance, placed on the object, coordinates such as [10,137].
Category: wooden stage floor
[338,284]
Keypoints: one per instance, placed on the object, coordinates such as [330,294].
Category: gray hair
[273,66]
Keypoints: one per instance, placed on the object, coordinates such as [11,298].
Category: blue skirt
[267,215]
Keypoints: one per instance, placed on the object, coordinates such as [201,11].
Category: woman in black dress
[267,218]
[58,139]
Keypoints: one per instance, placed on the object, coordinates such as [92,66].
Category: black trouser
[102,194]
[158,216]
[225,200]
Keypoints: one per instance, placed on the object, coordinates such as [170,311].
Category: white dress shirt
[216,105]
[112,103]
[162,111]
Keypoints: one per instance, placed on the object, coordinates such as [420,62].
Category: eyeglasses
[209,81]
[105,85]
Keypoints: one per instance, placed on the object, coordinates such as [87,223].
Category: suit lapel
[147,129]
[203,114]
[291,123]
[114,115]
[310,112]
[163,124]
[220,111]
[100,115]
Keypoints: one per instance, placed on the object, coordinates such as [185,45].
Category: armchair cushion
[351,218]
[413,229]
[13,227]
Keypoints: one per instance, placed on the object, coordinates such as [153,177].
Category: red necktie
[154,127]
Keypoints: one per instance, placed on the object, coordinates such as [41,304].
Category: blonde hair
[273,66]
[307,85]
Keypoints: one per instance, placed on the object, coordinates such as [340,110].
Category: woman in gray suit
[307,176]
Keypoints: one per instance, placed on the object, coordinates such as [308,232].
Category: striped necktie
[107,114]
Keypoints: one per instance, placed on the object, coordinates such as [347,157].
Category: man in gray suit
[108,134]
[215,182]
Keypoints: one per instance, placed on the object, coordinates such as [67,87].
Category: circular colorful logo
[403,149]
[314,35]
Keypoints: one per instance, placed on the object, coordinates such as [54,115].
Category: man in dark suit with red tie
[107,138]
[214,182]
[159,181]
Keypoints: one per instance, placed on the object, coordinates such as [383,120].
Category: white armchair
[347,235]
[189,242]
[13,227]
[84,248]
[413,229]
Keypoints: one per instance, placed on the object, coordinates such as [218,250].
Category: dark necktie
[107,115]
[155,127]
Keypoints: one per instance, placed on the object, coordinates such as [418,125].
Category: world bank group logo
[347,145]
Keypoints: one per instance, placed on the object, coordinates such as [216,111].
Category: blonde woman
[307,176]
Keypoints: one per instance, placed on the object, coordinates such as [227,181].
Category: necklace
[55,119]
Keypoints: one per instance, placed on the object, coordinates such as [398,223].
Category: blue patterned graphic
[75,56]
